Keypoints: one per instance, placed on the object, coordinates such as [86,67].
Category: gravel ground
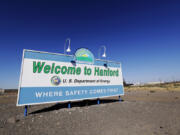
[141,113]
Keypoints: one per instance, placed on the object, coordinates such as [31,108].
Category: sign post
[25,110]
[120,100]
[98,101]
[51,77]
[69,105]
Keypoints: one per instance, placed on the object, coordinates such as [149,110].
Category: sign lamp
[104,54]
[68,49]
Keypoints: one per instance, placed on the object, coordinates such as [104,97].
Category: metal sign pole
[98,101]
[69,105]
[120,100]
[25,110]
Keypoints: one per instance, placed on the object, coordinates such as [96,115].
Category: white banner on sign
[31,79]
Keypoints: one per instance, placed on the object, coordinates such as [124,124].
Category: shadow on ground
[74,104]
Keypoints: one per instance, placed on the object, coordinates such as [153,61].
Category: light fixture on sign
[69,47]
[104,54]
[68,50]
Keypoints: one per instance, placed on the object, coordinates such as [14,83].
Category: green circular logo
[84,55]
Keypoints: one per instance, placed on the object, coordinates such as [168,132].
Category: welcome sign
[51,77]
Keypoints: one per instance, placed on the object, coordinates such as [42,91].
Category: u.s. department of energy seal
[55,80]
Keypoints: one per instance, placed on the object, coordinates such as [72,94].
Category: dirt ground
[141,112]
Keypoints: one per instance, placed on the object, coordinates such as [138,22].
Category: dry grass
[171,86]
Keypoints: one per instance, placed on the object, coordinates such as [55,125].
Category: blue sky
[144,35]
